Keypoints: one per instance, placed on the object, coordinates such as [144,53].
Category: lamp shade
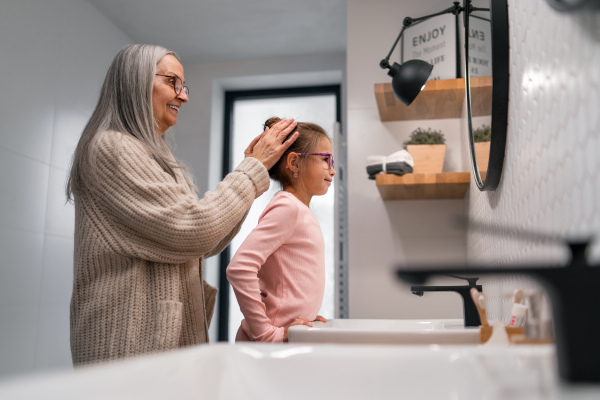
[408,79]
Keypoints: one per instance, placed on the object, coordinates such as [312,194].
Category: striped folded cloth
[399,163]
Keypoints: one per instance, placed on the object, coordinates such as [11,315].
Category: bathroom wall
[550,183]
[54,57]
[386,234]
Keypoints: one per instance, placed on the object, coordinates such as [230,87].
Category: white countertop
[286,371]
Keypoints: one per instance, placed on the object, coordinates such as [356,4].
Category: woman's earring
[287,166]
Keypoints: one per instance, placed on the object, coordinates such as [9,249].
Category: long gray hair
[125,105]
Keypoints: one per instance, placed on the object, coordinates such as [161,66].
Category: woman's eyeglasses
[177,84]
[328,155]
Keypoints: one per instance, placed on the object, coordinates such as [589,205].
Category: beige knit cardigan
[140,238]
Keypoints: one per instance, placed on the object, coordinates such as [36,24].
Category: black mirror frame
[500,81]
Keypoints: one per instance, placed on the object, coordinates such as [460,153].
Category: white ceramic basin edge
[386,331]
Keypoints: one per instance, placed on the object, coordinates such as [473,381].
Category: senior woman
[141,232]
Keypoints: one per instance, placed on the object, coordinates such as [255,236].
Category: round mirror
[486,79]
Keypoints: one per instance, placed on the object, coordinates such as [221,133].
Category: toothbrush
[518,296]
[482,313]
[475,296]
[517,314]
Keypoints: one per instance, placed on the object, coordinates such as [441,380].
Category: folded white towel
[375,160]
[401,156]
[399,163]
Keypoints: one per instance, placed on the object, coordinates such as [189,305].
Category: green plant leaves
[421,136]
[482,134]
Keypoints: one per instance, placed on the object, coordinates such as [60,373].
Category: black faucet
[573,292]
[470,312]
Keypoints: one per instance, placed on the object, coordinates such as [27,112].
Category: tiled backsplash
[550,183]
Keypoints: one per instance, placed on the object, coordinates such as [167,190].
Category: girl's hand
[297,321]
[268,147]
[319,318]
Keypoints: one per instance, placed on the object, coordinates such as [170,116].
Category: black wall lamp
[408,78]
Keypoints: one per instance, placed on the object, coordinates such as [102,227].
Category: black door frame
[230,98]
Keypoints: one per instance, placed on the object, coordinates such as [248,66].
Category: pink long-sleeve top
[278,273]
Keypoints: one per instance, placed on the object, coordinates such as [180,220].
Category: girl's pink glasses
[328,155]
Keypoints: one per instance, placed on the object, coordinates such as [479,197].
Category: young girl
[278,273]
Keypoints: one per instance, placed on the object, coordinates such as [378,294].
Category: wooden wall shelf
[442,98]
[445,185]
[481,96]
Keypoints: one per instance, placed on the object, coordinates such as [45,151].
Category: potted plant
[428,149]
[482,137]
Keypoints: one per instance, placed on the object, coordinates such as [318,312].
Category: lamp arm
[408,21]
[455,9]
[385,63]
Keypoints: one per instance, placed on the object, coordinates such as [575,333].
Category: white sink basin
[334,371]
[386,331]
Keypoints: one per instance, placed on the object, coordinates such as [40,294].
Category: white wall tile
[53,350]
[60,215]
[17,339]
[20,266]
[57,271]
[28,75]
[24,191]
[68,125]
[87,45]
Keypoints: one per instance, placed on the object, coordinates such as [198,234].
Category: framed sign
[434,40]
[480,46]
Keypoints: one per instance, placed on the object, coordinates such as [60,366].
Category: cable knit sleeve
[227,239]
[148,215]
[276,225]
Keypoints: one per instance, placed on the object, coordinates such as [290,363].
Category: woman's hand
[268,147]
[297,321]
